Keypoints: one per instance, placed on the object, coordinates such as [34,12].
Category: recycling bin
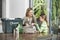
[8,25]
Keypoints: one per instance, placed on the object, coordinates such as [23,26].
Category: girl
[43,27]
[29,22]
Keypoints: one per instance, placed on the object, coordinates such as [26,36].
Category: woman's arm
[34,20]
[24,21]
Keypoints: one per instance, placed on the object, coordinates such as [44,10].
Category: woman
[29,22]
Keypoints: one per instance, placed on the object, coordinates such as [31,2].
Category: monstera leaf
[39,6]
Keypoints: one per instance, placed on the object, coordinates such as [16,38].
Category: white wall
[18,8]
[15,8]
[3,8]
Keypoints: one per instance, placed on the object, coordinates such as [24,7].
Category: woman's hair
[44,16]
[27,11]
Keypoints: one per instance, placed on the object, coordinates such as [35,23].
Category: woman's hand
[27,24]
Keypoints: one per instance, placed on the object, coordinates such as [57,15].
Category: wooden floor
[7,37]
[25,37]
[34,37]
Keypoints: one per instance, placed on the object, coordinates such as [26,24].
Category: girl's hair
[27,11]
[44,16]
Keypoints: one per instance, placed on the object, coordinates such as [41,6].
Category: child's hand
[33,24]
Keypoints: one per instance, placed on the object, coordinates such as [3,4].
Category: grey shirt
[29,20]
[29,28]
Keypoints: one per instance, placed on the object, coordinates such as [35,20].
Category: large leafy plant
[39,6]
